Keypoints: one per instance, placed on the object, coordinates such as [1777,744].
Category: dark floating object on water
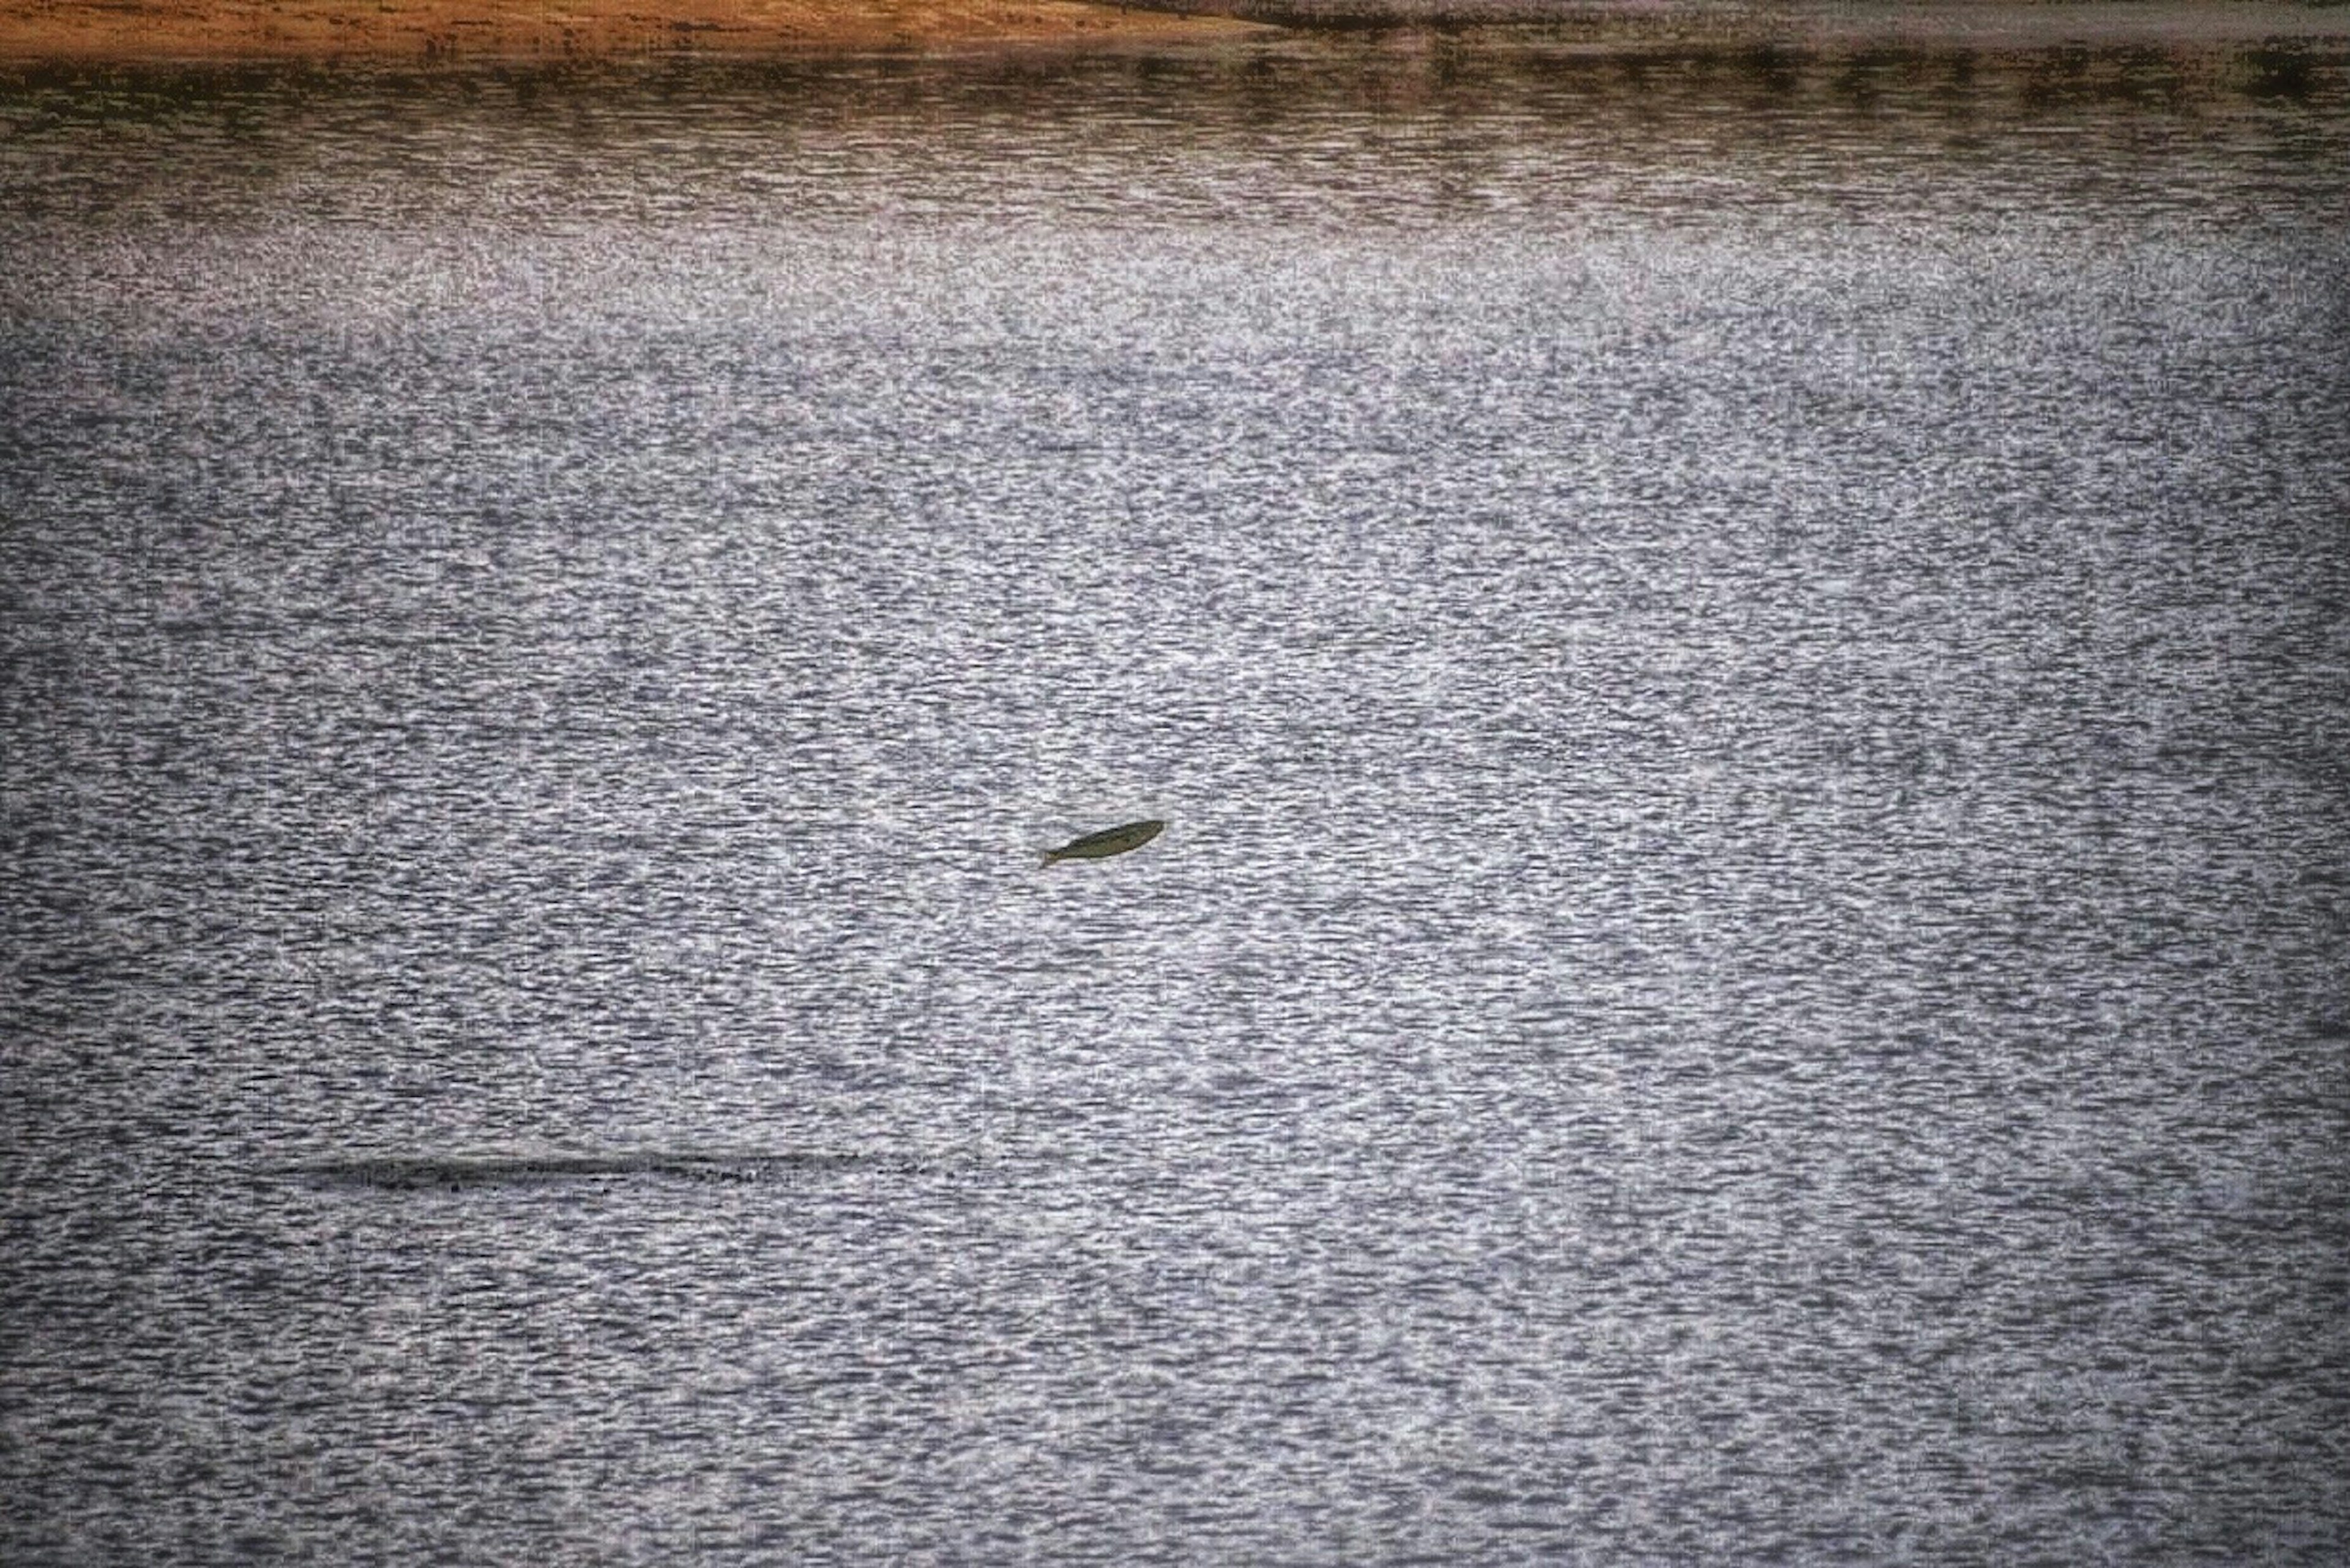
[453,1173]
[1109,841]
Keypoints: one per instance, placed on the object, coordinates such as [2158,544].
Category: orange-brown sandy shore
[365,31]
[135,32]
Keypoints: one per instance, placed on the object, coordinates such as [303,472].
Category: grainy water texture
[1746,658]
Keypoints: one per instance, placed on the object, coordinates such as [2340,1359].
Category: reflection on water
[1280,134]
[1747,658]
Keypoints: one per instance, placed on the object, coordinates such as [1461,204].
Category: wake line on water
[457,1173]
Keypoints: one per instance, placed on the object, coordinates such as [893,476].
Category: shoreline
[434,33]
[133,33]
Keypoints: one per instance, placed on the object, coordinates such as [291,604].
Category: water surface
[1745,659]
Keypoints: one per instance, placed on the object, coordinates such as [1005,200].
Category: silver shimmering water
[1748,663]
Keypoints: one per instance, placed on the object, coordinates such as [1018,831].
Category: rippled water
[1747,658]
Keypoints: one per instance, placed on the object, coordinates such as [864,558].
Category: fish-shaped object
[1109,841]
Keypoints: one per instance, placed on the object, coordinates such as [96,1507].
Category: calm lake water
[1747,658]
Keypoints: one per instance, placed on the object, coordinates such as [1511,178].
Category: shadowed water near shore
[1353,129]
[1986,77]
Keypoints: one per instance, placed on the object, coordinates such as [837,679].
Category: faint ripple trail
[415,1173]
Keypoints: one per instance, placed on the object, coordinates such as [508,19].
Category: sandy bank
[131,31]
[453,31]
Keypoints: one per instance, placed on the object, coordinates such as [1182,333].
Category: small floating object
[1109,841]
